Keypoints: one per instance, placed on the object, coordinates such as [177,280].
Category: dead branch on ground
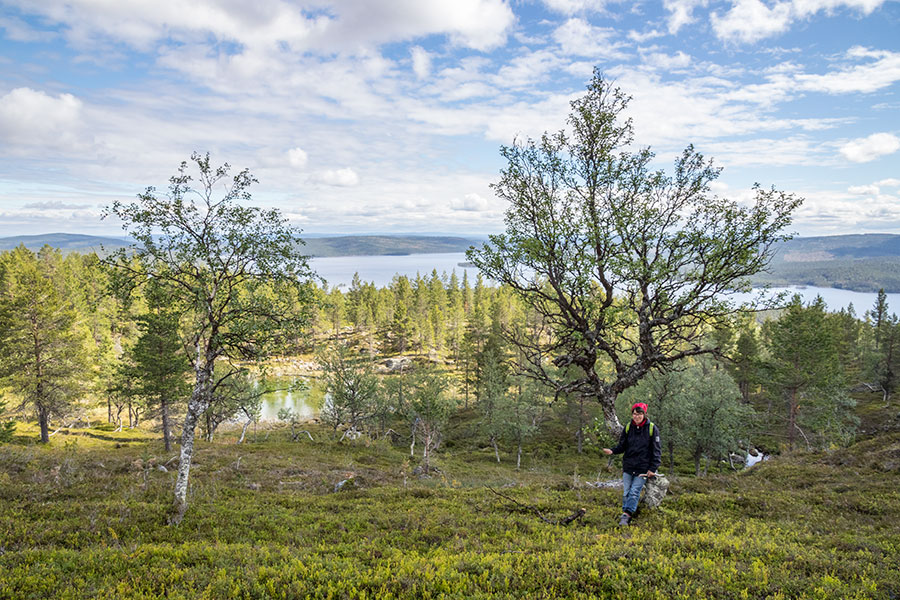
[564,521]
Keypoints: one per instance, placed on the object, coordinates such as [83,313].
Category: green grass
[86,517]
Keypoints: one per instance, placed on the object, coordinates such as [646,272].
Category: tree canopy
[626,265]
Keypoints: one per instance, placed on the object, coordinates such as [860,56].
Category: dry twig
[564,521]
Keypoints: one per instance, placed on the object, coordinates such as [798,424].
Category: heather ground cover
[270,518]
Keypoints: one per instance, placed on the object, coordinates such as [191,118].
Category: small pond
[304,400]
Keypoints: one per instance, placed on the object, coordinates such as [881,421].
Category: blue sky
[388,115]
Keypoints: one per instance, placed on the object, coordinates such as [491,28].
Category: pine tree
[351,388]
[883,362]
[158,365]
[402,326]
[42,347]
[492,383]
[429,411]
[805,368]
[7,428]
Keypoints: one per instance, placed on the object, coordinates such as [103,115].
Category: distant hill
[837,247]
[862,263]
[65,242]
[384,245]
[346,245]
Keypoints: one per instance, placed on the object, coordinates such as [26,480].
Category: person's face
[637,416]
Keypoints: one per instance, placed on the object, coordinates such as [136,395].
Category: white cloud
[33,118]
[891,182]
[640,38]
[525,70]
[794,150]
[666,62]
[54,205]
[469,203]
[571,7]
[579,38]
[810,7]
[878,74]
[681,12]
[297,158]
[864,190]
[346,177]
[300,24]
[751,20]
[674,112]
[20,31]
[421,62]
[870,148]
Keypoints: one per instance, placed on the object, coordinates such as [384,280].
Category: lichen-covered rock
[655,490]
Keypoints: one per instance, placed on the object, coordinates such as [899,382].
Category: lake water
[381,270]
[306,401]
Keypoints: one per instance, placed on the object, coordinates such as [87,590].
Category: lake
[380,270]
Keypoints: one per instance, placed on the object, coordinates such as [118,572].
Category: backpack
[627,427]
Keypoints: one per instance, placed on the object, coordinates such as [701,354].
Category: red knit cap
[639,405]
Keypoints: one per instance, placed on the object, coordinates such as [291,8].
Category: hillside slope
[862,263]
[347,245]
[270,518]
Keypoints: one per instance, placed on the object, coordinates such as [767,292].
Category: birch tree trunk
[196,407]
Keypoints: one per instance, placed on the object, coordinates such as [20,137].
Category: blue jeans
[631,491]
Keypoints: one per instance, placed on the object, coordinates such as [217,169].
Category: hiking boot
[624,519]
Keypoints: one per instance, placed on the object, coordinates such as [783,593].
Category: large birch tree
[626,264]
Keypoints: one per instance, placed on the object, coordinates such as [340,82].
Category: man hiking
[639,442]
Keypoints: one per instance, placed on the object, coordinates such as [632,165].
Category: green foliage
[7,428]
[626,265]
[804,366]
[492,384]
[714,419]
[157,372]
[351,388]
[699,410]
[42,345]
[882,362]
[429,410]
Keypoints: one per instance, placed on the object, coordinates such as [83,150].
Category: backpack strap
[627,427]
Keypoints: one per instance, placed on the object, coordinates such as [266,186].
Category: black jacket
[642,454]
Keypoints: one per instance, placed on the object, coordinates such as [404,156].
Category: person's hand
[649,474]
[607,451]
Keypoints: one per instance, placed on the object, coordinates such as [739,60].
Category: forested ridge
[319,246]
[861,263]
[120,352]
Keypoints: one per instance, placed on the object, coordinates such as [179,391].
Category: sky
[387,116]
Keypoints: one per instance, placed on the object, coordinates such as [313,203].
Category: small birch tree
[236,268]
